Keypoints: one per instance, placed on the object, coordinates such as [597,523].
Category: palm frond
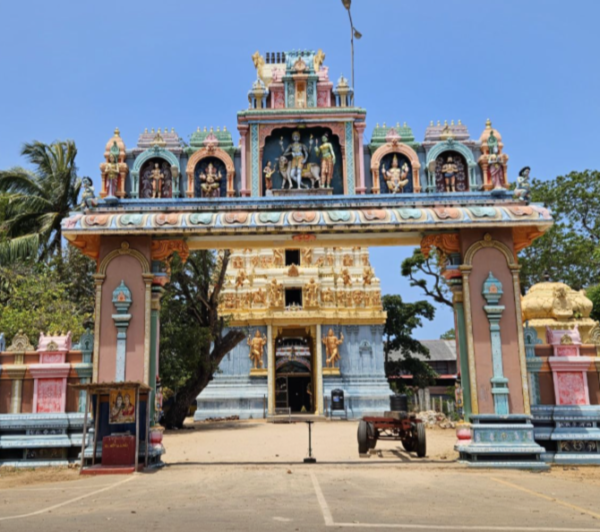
[19,180]
[19,248]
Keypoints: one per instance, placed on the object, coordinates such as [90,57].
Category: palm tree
[37,201]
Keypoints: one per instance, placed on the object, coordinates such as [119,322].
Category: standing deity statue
[257,346]
[210,179]
[312,293]
[346,277]
[395,177]
[332,344]
[112,174]
[299,154]
[268,172]
[275,293]
[156,179]
[325,151]
[368,274]
[449,171]
[496,172]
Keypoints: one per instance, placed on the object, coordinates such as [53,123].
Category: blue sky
[78,69]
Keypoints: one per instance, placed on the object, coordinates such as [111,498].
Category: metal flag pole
[353,33]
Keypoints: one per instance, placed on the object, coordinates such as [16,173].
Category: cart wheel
[421,446]
[372,435]
[363,437]
[409,444]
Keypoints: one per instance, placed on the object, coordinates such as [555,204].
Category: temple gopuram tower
[291,299]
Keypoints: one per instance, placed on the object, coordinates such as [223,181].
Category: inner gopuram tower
[292,298]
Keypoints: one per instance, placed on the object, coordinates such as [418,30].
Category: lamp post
[353,33]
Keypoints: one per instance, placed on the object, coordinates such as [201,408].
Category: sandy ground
[252,441]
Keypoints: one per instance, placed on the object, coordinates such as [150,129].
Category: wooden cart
[392,426]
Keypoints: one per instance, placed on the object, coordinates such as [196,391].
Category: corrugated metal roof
[438,350]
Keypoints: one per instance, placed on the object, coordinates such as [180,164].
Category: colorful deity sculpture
[268,172]
[325,151]
[395,177]
[299,154]
[88,196]
[449,171]
[210,179]
[523,188]
[332,344]
[257,346]
[156,181]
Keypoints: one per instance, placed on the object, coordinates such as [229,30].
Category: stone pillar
[360,129]
[270,370]
[148,277]
[122,301]
[254,162]
[461,345]
[16,373]
[319,392]
[157,292]
[243,139]
[492,292]
[466,272]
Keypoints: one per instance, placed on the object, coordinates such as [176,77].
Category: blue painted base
[502,442]
[569,434]
[368,395]
[233,395]
[36,440]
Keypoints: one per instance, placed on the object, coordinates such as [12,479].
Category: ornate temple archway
[156,152]
[209,151]
[450,146]
[403,149]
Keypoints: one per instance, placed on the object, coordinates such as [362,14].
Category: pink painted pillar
[243,132]
[360,129]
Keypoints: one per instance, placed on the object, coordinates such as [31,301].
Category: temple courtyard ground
[250,476]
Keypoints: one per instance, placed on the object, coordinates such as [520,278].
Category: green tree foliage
[567,251]
[193,338]
[426,275]
[402,319]
[38,297]
[37,201]
[593,293]
[450,334]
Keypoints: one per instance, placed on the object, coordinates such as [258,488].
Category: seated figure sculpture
[210,182]
[395,177]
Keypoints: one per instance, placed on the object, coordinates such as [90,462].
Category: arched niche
[198,162]
[144,163]
[380,157]
[281,137]
[439,154]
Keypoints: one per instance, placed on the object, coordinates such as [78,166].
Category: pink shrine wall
[485,260]
[123,268]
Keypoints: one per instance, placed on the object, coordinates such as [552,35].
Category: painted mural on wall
[122,406]
[451,173]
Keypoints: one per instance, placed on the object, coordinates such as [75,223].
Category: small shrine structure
[562,344]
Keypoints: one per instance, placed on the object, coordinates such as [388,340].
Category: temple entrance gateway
[460,208]
[294,362]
